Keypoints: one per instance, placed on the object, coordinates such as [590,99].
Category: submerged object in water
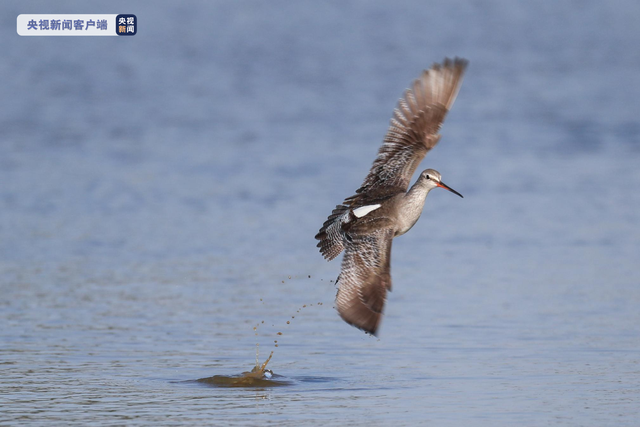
[259,377]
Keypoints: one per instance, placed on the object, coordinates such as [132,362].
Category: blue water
[159,195]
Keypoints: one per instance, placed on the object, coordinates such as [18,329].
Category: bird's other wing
[414,128]
[334,233]
[331,234]
[365,279]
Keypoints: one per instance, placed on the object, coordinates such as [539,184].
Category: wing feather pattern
[365,279]
[414,127]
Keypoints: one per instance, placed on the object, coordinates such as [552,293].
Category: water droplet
[288,322]
[279,333]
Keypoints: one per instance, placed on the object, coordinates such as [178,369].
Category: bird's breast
[406,224]
[409,210]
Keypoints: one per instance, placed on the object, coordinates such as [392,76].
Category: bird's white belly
[406,225]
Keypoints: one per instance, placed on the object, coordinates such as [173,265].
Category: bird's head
[432,179]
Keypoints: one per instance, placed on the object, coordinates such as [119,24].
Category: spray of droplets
[279,333]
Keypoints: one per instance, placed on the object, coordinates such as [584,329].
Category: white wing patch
[363,210]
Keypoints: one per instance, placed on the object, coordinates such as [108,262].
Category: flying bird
[384,207]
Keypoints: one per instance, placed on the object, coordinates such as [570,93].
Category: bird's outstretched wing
[412,133]
[414,128]
[365,279]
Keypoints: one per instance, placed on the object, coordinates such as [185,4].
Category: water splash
[259,376]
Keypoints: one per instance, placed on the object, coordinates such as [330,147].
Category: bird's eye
[427,176]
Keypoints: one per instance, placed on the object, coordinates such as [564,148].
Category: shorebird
[365,224]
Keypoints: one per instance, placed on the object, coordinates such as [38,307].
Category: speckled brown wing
[412,133]
[414,128]
[333,236]
[365,279]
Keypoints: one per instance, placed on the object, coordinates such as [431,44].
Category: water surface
[159,196]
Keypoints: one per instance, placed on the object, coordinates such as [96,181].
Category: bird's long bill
[446,187]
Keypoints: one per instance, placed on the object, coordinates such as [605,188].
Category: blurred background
[159,195]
